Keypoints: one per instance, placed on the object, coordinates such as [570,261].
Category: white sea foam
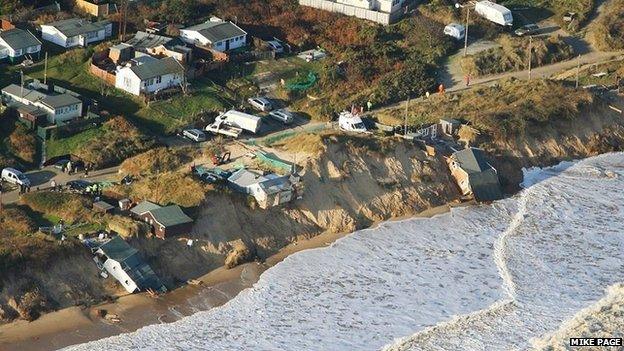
[479,278]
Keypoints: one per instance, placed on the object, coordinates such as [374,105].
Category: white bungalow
[150,76]
[76,32]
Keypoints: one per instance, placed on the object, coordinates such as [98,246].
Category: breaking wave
[490,277]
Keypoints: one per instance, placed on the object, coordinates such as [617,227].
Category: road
[40,179]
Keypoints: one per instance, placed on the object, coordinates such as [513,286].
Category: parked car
[61,164]
[14,176]
[194,134]
[276,46]
[260,103]
[282,115]
[79,185]
[528,29]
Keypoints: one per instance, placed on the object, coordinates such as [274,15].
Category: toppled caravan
[351,122]
[455,30]
[494,12]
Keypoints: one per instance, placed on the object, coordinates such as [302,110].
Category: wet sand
[77,325]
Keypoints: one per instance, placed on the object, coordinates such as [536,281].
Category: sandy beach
[77,325]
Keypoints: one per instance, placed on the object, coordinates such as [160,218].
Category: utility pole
[466,34]
[530,54]
[458,5]
[45,69]
[406,111]
[578,70]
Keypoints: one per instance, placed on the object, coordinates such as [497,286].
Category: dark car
[79,185]
[528,29]
[61,164]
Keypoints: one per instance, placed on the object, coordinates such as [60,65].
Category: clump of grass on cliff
[166,188]
[69,207]
[513,55]
[510,109]
[608,30]
[159,160]
[107,145]
[17,240]
[307,143]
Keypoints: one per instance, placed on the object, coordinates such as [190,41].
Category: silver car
[282,115]
[260,103]
[194,134]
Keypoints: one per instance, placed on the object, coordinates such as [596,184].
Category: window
[158,79]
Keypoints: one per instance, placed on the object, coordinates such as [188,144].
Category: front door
[227,44]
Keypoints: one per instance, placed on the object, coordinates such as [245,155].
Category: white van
[13,176]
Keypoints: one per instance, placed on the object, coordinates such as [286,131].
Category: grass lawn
[70,70]
[58,147]
[164,117]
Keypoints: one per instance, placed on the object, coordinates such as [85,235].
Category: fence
[252,56]
[332,6]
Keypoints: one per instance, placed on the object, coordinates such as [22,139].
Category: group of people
[71,168]
[24,188]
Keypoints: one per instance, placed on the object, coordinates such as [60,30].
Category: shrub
[608,30]
[117,141]
[69,207]
[159,160]
[165,188]
[23,144]
[512,55]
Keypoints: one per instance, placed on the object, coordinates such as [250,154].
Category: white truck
[240,120]
[494,12]
[351,123]
[220,127]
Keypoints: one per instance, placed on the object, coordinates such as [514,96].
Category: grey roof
[276,184]
[472,160]
[244,178]
[143,207]
[30,109]
[156,68]
[61,100]
[140,272]
[76,26]
[143,40]
[25,93]
[482,176]
[103,205]
[217,31]
[19,39]
[170,216]
[117,249]
[121,46]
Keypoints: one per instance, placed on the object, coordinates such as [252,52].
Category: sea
[484,277]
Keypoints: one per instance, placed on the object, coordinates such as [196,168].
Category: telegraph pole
[578,70]
[466,34]
[21,84]
[530,54]
[45,69]
[406,112]
[458,5]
